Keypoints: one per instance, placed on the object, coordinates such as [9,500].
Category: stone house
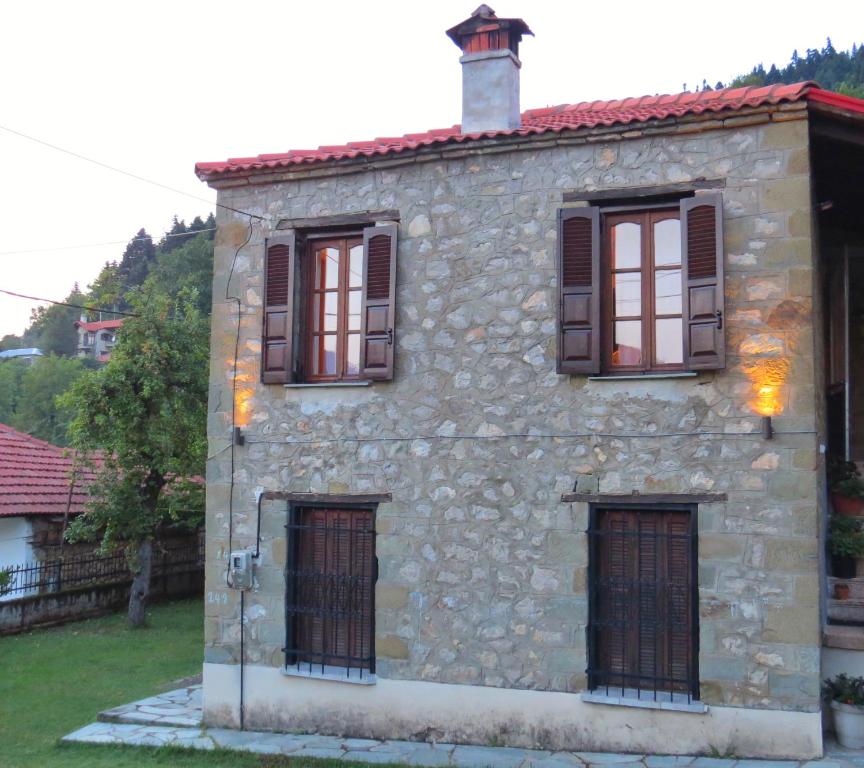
[521,424]
[96,339]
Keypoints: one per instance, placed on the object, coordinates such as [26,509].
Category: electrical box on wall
[240,569]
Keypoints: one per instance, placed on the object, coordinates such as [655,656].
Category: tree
[37,411]
[11,372]
[52,328]
[11,341]
[137,259]
[189,267]
[144,415]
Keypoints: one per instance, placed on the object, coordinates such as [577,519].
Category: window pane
[354,298]
[324,355]
[327,268]
[628,294]
[667,291]
[353,354]
[627,246]
[670,343]
[355,266]
[627,345]
[325,315]
[667,242]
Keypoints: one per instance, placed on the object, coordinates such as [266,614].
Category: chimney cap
[483,17]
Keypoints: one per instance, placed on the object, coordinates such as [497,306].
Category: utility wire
[190,235]
[128,173]
[65,304]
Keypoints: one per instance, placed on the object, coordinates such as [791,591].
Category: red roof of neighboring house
[100,325]
[549,119]
[35,475]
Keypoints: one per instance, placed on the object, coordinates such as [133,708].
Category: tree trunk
[140,584]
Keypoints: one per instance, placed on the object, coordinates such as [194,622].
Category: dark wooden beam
[642,194]
[848,133]
[645,498]
[339,220]
[329,498]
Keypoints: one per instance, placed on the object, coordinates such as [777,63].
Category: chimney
[490,70]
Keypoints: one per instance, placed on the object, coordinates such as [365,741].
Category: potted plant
[847,487]
[846,695]
[845,545]
[841,591]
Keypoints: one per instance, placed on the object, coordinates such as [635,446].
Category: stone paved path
[175,718]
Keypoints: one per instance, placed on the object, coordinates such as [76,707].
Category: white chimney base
[490,91]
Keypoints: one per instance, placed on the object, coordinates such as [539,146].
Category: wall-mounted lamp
[239,438]
[767,428]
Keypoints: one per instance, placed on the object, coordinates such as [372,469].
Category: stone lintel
[645,498]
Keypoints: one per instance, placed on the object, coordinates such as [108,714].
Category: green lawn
[53,681]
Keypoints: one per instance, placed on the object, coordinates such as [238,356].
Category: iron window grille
[330,576]
[643,625]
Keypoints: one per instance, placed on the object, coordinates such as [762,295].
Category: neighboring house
[28,355]
[538,405]
[37,496]
[96,339]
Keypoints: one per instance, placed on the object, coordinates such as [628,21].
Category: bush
[845,689]
[845,537]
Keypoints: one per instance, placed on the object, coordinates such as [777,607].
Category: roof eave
[724,118]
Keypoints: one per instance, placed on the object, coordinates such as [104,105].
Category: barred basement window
[330,591]
[643,630]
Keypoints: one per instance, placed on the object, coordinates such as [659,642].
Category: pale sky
[153,87]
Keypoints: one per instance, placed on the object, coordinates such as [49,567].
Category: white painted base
[837,660]
[466,714]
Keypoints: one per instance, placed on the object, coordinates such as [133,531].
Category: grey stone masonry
[482,567]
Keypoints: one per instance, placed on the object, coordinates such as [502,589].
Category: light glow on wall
[244,391]
[768,378]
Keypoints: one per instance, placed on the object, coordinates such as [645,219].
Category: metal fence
[84,570]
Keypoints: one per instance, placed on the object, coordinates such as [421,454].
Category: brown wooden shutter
[702,263]
[579,290]
[378,313]
[679,594]
[277,348]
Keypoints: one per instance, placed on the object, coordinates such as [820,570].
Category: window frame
[308,291]
[594,651]
[292,653]
[646,216]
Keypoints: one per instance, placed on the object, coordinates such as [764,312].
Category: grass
[53,681]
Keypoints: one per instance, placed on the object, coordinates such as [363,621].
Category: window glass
[327,268]
[669,344]
[627,346]
[667,291]
[353,355]
[628,294]
[355,266]
[354,301]
[324,355]
[627,246]
[667,242]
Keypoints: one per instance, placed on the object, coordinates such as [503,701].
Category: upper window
[334,301]
[643,270]
[641,291]
[329,312]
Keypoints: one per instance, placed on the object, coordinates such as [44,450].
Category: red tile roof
[35,475]
[100,325]
[550,119]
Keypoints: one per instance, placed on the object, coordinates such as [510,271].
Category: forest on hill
[840,71]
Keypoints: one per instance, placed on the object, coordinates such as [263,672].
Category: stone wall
[482,567]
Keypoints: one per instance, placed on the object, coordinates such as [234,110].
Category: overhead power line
[191,234]
[128,173]
[66,304]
